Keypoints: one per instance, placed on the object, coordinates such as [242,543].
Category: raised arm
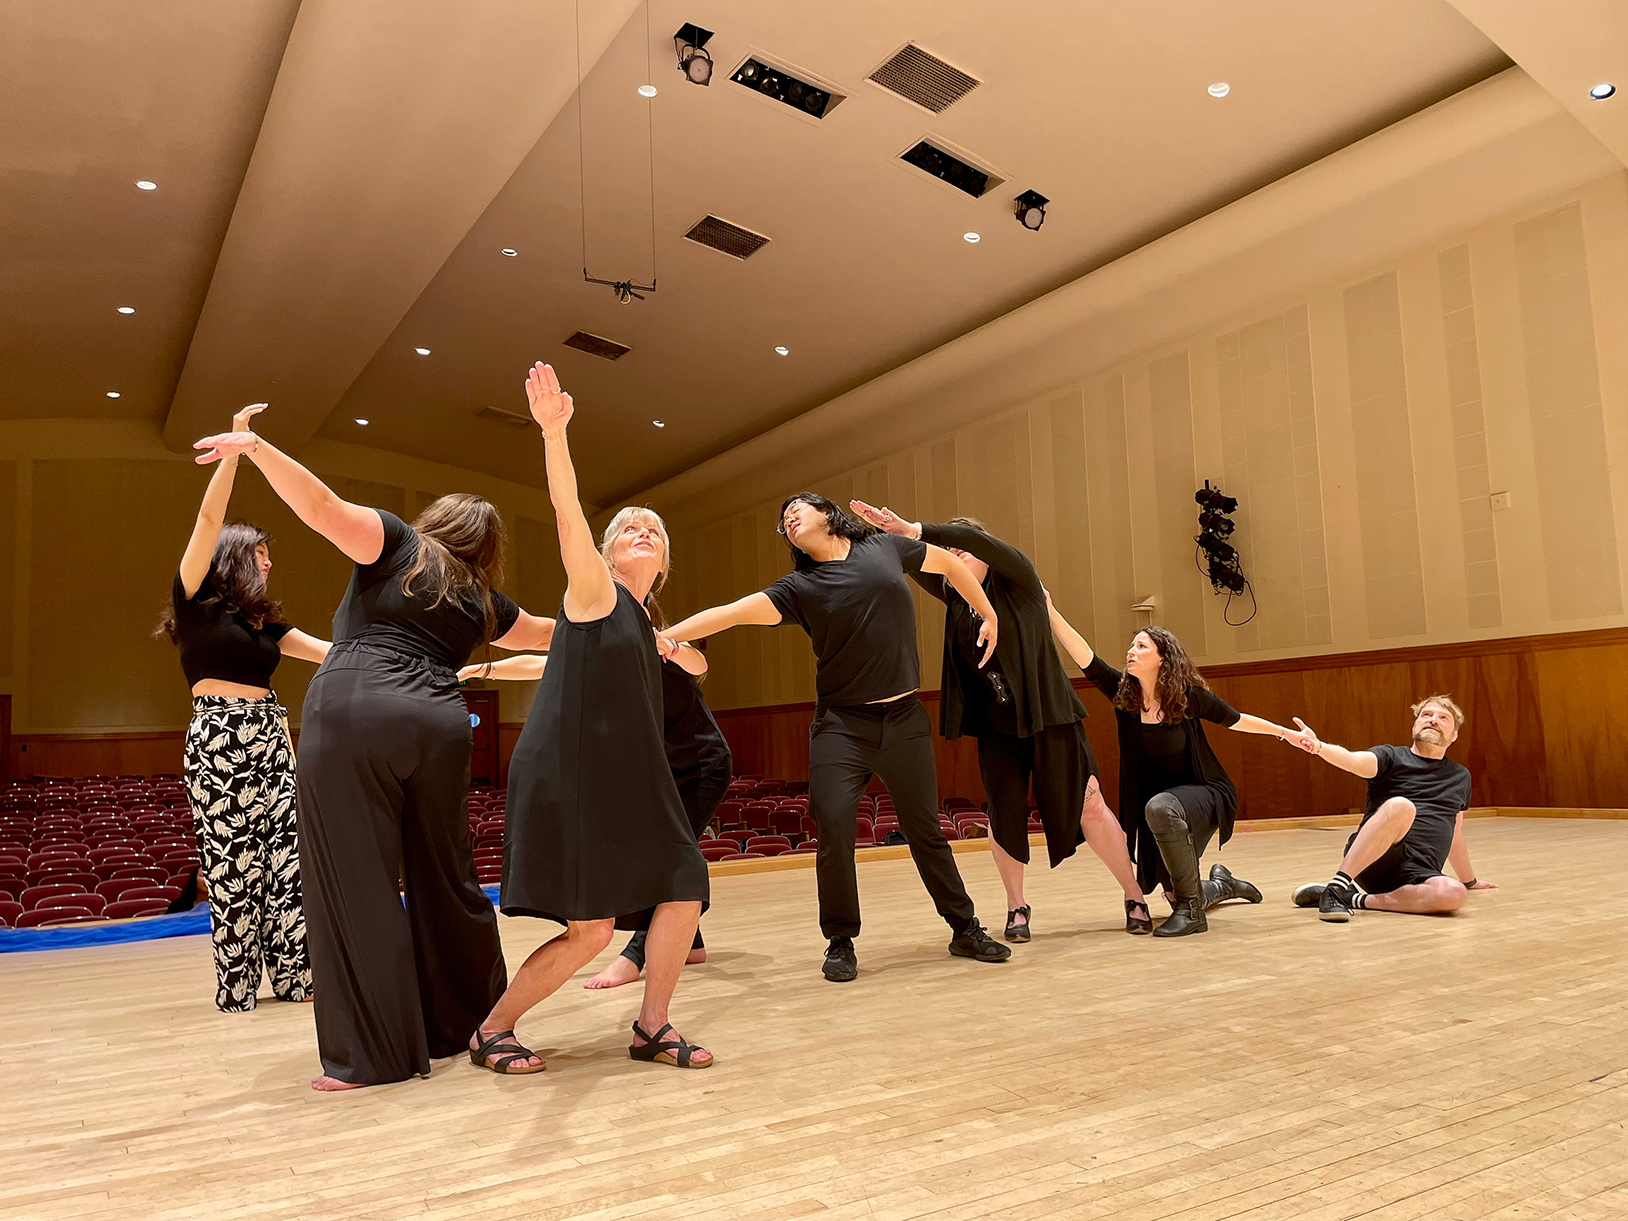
[1362,763]
[520,669]
[959,575]
[529,632]
[1063,631]
[590,590]
[296,643]
[200,550]
[752,609]
[354,529]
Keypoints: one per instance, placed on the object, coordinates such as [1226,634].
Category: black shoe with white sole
[1309,895]
[1335,905]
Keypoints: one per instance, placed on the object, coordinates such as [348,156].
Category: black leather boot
[1187,919]
[1181,863]
[1221,886]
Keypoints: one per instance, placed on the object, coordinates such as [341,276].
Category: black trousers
[1183,821]
[383,776]
[846,747]
[1058,762]
[701,795]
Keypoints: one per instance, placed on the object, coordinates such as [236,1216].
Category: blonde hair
[1446,703]
[649,517]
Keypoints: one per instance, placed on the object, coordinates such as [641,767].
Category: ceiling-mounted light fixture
[971,237]
[647,91]
[693,61]
[1031,209]
[1220,89]
[127,309]
[782,350]
[659,423]
[510,251]
[145,185]
[361,421]
[112,394]
[1602,91]
[422,351]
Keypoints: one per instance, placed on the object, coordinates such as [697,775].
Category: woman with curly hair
[1174,795]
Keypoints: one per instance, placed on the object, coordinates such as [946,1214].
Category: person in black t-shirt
[384,774]
[1412,826]
[1173,792]
[1024,714]
[239,765]
[848,591]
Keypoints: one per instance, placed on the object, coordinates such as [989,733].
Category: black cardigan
[1024,646]
[1137,787]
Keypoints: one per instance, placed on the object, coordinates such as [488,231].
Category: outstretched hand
[1307,740]
[240,422]
[986,637]
[883,519]
[224,445]
[550,406]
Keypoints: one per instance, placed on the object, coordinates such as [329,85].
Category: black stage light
[1216,549]
[1031,209]
[1215,523]
[693,62]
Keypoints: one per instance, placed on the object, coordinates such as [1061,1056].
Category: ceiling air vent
[924,79]
[731,239]
[947,167]
[598,345]
[511,419]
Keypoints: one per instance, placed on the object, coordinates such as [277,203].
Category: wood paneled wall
[1541,724]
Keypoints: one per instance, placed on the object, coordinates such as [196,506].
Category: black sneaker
[1335,905]
[1309,895]
[973,942]
[841,963]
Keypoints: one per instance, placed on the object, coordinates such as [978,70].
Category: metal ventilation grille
[731,239]
[924,79]
[598,345]
[512,419]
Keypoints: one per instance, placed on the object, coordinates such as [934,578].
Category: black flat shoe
[841,963]
[1138,926]
[974,943]
[1015,931]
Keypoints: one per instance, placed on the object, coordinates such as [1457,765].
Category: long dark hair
[235,580]
[460,554]
[838,523]
[1176,675]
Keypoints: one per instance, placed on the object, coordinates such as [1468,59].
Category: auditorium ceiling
[336,184]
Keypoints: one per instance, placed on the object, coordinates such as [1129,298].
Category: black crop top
[219,644]
[374,608]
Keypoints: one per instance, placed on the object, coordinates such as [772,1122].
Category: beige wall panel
[765,543]
[1108,462]
[8,565]
[1605,231]
[1181,592]
[367,492]
[1069,566]
[1384,459]
[1567,416]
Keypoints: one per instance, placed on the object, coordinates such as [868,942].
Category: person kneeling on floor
[1412,826]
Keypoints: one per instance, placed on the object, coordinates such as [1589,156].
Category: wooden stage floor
[1394,1068]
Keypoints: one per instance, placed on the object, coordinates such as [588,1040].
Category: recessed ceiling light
[147,186]
[257,405]
[1602,91]
[971,237]
[127,309]
[112,394]
[360,420]
[659,423]
[422,351]
[1220,89]
[647,91]
[783,351]
[510,251]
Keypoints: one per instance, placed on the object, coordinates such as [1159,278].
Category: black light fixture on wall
[1220,561]
[693,61]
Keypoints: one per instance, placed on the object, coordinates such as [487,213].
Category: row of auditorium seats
[93,848]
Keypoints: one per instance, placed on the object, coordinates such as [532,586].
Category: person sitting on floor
[1412,826]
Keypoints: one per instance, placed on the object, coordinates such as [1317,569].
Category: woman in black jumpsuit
[1023,711]
[383,777]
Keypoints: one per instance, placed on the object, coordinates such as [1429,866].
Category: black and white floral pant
[240,779]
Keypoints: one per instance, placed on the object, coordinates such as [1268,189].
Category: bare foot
[620,971]
[696,956]
[331,1085]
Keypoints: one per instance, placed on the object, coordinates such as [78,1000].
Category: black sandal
[504,1041]
[1138,926]
[1014,931]
[653,1049]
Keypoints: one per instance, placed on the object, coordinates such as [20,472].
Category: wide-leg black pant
[1059,762]
[701,794]
[383,776]
[846,747]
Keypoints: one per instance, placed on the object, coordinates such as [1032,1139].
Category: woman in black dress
[1023,711]
[239,765]
[1174,795]
[847,590]
[384,774]
[697,754]
[595,835]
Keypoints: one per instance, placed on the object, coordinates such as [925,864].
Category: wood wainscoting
[1541,725]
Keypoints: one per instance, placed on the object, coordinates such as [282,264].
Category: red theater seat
[130,909]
